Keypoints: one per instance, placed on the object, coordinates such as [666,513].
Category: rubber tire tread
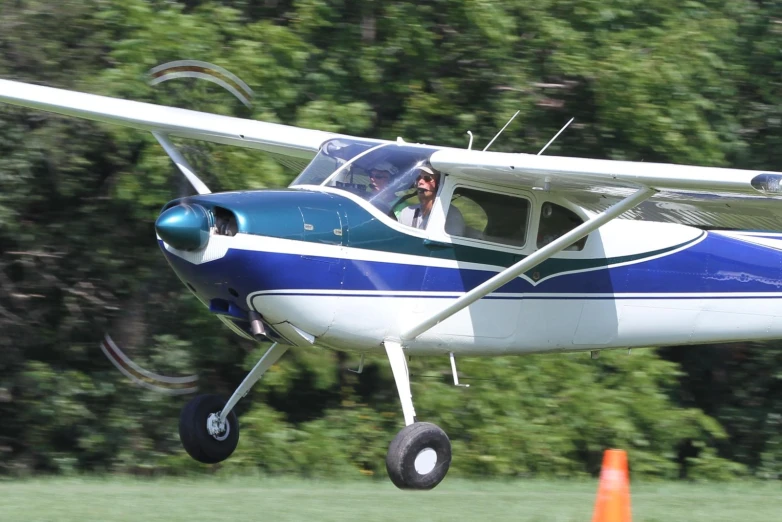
[400,460]
[195,438]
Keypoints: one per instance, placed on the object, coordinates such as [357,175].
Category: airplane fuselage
[319,266]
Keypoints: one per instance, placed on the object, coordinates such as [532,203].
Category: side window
[499,218]
[556,221]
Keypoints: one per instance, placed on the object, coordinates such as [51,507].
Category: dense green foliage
[656,80]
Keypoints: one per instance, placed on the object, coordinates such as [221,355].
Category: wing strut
[181,163]
[529,262]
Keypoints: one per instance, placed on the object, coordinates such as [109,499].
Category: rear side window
[488,216]
[556,221]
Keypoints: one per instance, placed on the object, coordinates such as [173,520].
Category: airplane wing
[293,147]
[707,197]
[699,196]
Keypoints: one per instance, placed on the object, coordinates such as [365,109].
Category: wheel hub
[425,461]
[218,429]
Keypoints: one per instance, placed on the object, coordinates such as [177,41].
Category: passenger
[381,193]
[380,176]
[417,216]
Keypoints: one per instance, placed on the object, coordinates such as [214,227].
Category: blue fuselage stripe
[717,265]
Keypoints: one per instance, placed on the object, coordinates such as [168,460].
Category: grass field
[235,499]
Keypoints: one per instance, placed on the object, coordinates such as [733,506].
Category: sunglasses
[379,175]
[426,177]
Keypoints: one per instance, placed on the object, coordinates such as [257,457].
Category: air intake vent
[225,222]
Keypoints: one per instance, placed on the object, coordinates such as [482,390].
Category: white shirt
[412,217]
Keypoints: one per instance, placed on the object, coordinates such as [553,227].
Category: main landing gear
[420,454]
[418,457]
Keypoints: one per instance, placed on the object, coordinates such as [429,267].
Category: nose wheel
[204,436]
[419,456]
[208,427]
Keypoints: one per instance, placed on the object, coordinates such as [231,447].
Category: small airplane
[409,249]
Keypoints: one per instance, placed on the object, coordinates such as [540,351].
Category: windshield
[382,173]
[333,154]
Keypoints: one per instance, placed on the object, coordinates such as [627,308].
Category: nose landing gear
[208,427]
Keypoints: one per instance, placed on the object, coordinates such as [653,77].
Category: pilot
[427,183]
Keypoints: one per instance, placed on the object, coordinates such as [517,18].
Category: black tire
[406,447]
[194,435]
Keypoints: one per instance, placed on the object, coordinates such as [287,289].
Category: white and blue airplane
[549,254]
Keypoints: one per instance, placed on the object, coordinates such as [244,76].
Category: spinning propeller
[184,226]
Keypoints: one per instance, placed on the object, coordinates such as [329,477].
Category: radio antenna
[556,135]
[469,145]
[502,129]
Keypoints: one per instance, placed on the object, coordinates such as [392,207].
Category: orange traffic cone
[613,493]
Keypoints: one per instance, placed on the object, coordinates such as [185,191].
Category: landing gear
[208,427]
[203,436]
[420,454]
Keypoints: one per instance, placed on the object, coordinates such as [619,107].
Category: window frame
[436,225]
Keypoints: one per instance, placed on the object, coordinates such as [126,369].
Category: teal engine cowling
[184,226]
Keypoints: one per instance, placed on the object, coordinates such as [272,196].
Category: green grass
[236,499]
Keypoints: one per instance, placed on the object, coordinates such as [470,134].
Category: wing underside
[705,197]
[708,211]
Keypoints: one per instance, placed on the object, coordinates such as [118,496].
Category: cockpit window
[556,221]
[382,173]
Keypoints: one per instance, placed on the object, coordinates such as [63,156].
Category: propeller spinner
[184,226]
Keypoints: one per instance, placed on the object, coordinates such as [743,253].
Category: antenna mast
[556,135]
[502,129]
